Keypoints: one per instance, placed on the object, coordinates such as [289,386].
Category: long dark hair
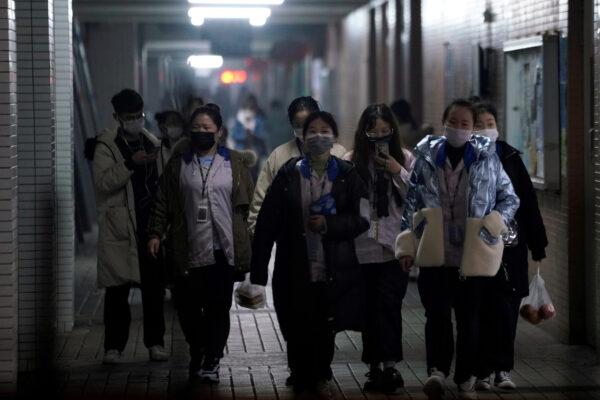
[362,146]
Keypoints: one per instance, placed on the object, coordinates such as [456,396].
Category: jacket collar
[224,152]
[505,150]
[433,149]
[333,169]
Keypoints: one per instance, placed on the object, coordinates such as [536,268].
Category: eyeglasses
[374,135]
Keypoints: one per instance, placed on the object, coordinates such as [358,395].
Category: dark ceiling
[175,11]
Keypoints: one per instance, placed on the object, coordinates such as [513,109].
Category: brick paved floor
[255,364]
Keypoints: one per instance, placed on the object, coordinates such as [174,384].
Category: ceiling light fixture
[205,61]
[257,16]
[238,2]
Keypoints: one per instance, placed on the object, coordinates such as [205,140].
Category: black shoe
[391,380]
[210,370]
[195,367]
[373,382]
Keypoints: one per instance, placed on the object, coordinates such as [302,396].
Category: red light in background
[230,77]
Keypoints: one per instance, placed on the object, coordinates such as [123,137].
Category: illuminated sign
[230,77]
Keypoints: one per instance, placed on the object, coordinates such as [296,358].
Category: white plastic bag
[537,306]
[250,296]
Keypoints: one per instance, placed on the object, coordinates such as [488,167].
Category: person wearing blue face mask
[312,212]
[457,209]
[385,166]
[512,282]
[126,178]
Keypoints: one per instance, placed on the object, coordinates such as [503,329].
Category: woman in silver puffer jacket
[458,206]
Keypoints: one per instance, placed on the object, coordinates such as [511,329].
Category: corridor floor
[255,365]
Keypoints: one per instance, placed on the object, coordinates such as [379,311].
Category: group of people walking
[348,227]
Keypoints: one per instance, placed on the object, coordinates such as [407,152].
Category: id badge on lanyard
[202,215]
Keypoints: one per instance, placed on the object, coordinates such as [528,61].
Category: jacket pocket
[430,244]
[482,251]
[116,227]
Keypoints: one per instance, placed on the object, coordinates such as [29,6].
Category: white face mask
[490,133]
[174,132]
[457,137]
[134,127]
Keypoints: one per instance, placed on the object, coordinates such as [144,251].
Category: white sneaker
[466,390]
[435,385]
[158,353]
[111,356]
[484,384]
[504,381]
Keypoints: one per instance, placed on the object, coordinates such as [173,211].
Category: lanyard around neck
[205,177]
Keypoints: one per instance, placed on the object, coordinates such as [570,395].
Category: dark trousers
[437,289]
[203,300]
[498,329]
[117,315]
[471,295]
[386,288]
[311,342]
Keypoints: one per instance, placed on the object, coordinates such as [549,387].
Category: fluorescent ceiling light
[257,16]
[238,2]
[205,61]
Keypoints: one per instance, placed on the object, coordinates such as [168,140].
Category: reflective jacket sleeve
[412,197]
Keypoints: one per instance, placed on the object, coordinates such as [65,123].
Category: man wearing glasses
[126,177]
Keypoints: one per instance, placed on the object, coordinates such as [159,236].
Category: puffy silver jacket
[489,187]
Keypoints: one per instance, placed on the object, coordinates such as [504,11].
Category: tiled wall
[8,198]
[112,51]
[36,143]
[64,217]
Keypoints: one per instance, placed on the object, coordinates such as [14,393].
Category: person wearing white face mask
[457,208]
[126,179]
[298,111]
[312,212]
[170,124]
[512,282]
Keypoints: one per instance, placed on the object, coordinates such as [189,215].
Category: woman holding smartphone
[385,166]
